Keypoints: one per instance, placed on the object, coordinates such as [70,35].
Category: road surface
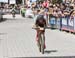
[17,39]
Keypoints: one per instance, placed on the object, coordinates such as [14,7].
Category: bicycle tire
[39,44]
[40,48]
[42,44]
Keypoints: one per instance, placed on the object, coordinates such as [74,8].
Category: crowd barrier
[64,23]
[52,22]
[58,23]
[71,24]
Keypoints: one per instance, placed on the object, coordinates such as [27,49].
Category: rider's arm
[36,23]
[45,23]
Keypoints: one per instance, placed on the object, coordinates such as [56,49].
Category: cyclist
[13,11]
[40,22]
[23,10]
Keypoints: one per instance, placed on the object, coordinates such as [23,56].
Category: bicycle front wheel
[42,43]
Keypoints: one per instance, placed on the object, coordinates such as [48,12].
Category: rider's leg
[36,35]
[38,39]
[44,40]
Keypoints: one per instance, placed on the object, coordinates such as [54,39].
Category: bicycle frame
[41,38]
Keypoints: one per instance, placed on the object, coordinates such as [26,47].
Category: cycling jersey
[40,21]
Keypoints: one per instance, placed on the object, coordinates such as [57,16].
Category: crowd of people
[46,8]
[50,10]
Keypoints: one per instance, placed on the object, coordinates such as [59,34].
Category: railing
[63,23]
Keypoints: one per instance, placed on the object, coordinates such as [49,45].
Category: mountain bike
[41,39]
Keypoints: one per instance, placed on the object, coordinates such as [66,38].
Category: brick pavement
[17,39]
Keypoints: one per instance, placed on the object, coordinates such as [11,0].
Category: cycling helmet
[40,17]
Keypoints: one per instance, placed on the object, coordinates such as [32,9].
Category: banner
[5,1]
[71,22]
[52,21]
[74,22]
[12,1]
[64,21]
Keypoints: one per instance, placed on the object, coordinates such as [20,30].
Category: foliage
[56,1]
[18,1]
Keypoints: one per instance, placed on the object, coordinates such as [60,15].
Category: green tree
[56,1]
[40,0]
[18,1]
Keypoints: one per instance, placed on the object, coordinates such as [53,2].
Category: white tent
[12,1]
[5,1]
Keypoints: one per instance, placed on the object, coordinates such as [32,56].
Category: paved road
[17,39]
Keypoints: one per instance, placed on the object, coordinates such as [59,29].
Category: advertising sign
[52,21]
[74,23]
[64,21]
[71,22]
[58,23]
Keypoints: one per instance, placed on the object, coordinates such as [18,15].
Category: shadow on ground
[47,51]
[3,33]
[2,20]
[1,40]
[50,51]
